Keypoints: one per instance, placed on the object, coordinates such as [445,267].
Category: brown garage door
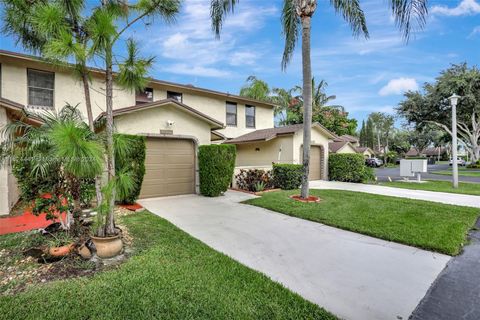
[316,162]
[169,168]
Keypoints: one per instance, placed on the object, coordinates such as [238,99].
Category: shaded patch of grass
[438,186]
[170,276]
[423,224]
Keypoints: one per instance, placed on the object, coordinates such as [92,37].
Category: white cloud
[398,86]
[191,47]
[474,32]
[466,7]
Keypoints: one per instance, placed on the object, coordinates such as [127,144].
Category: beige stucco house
[366,151]
[261,148]
[350,144]
[341,147]
[175,118]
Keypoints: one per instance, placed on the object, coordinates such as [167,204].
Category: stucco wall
[318,138]
[155,119]
[347,149]
[67,88]
[216,108]
[8,184]
[278,150]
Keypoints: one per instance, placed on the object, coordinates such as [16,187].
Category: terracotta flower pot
[61,251]
[108,247]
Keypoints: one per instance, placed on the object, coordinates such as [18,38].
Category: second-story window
[250,116]
[40,88]
[144,96]
[231,114]
[175,95]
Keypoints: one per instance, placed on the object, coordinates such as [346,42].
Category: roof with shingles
[272,133]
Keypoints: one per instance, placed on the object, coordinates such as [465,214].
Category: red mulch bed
[310,199]
[132,207]
[25,222]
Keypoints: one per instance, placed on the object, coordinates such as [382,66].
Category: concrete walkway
[351,275]
[442,197]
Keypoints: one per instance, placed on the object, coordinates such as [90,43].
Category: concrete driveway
[351,275]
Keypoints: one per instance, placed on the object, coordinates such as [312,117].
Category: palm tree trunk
[110,223]
[88,105]
[307,101]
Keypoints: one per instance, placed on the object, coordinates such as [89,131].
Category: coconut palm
[296,19]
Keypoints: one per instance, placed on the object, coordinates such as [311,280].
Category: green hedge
[349,167]
[287,176]
[216,163]
[133,162]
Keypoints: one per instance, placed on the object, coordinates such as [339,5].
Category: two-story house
[175,118]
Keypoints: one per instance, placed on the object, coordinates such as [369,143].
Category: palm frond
[134,70]
[49,19]
[218,11]
[409,14]
[290,28]
[353,14]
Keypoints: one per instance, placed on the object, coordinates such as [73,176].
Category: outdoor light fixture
[453,102]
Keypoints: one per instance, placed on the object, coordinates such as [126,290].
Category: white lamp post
[453,102]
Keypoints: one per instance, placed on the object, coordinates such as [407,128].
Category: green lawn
[461,172]
[437,185]
[170,276]
[422,224]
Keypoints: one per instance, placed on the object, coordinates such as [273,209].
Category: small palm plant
[63,143]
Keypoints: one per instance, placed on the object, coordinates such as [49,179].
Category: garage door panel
[316,162]
[169,168]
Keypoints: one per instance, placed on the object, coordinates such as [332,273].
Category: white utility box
[410,168]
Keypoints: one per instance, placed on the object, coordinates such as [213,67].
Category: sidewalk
[441,197]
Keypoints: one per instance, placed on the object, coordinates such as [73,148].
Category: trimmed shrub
[475,165]
[287,176]
[216,163]
[349,167]
[253,179]
[133,162]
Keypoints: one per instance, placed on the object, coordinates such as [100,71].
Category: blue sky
[365,75]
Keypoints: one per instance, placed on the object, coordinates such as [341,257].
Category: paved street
[394,174]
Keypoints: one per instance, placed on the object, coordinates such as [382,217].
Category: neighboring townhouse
[341,147]
[366,151]
[175,118]
[436,153]
[261,148]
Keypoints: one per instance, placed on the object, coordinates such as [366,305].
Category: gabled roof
[160,103]
[272,133]
[363,149]
[172,85]
[413,152]
[338,145]
[348,138]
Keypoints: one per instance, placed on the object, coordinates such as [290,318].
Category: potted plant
[109,244]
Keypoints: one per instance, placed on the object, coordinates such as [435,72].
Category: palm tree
[296,16]
[256,89]
[105,28]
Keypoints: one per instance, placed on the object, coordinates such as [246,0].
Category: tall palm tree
[108,22]
[296,16]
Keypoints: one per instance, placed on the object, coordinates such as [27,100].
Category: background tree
[369,135]
[383,125]
[431,106]
[400,141]
[296,20]
[256,89]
